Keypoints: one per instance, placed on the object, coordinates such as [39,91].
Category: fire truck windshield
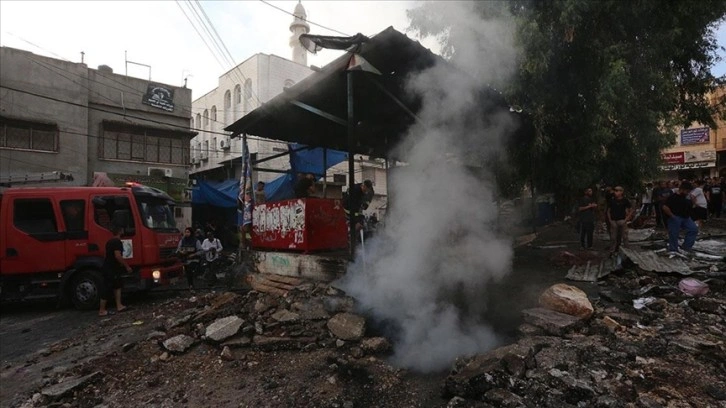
[156,214]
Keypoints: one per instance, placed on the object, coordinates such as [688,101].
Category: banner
[687,166]
[695,136]
[699,156]
[673,158]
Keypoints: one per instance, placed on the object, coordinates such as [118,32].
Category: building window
[135,143]
[199,121]
[214,113]
[237,95]
[214,146]
[205,151]
[227,100]
[206,118]
[21,134]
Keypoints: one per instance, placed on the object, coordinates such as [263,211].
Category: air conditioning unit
[160,172]
[224,144]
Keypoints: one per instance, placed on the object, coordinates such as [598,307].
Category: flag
[245,186]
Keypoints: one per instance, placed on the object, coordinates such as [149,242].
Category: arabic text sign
[695,136]
[673,158]
[687,166]
[699,156]
[159,97]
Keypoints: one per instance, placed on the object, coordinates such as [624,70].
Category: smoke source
[425,275]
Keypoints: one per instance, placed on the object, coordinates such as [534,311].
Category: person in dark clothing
[619,212]
[608,196]
[715,198]
[678,209]
[304,185]
[114,267]
[587,219]
[190,250]
[664,191]
[357,201]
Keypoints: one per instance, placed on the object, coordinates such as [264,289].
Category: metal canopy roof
[314,111]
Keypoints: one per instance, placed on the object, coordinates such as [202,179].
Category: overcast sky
[157,33]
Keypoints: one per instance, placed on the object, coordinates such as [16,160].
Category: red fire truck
[52,240]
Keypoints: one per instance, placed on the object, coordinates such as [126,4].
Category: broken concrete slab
[218,303]
[58,390]
[567,299]
[375,345]
[179,344]
[223,328]
[347,326]
[312,309]
[554,323]
[285,316]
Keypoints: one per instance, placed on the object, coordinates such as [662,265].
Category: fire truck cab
[52,240]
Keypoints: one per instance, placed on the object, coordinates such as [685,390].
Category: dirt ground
[274,362]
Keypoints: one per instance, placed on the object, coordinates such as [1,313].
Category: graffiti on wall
[280,221]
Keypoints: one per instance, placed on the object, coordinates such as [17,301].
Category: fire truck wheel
[85,289]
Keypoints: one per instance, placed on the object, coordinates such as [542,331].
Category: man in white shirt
[647,200]
[699,212]
[211,247]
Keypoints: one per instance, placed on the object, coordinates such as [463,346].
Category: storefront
[689,164]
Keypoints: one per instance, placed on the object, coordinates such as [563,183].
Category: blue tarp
[224,193]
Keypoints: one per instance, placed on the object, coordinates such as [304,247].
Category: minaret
[299,26]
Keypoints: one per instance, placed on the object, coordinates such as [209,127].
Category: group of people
[191,248]
[678,205]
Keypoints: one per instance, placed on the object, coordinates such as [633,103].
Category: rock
[58,390]
[313,309]
[259,328]
[264,304]
[375,345]
[164,356]
[155,335]
[356,352]
[128,346]
[612,325]
[338,304]
[347,326]
[456,402]
[526,329]
[567,299]
[238,341]
[280,343]
[227,354]
[223,328]
[503,398]
[606,401]
[554,323]
[178,321]
[285,316]
[217,303]
[339,343]
[179,344]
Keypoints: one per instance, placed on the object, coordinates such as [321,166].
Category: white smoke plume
[424,276]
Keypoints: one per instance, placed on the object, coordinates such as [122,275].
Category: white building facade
[217,156]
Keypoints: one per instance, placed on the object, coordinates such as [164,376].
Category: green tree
[605,83]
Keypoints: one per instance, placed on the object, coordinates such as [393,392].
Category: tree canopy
[605,83]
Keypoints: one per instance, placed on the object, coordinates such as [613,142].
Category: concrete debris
[554,323]
[179,343]
[643,302]
[226,354]
[285,316]
[592,272]
[652,262]
[567,299]
[347,326]
[62,388]
[375,345]
[223,328]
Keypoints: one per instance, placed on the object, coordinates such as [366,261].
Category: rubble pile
[670,353]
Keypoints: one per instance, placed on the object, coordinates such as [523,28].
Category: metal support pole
[351,163]
[325,171]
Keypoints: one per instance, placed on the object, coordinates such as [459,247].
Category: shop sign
[674,158]
[695,136]
[699,156]
[160,97]
[687,166]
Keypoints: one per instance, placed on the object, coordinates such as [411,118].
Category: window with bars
[27,135]
[143,144]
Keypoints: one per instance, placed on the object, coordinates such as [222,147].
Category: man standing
[619,213]
[678,209]
[647,200]
[358,200]
[715,198]
[587,219]
[260,197]
[114,266]
[700,205]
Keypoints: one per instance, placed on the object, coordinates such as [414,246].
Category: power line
[305,19]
